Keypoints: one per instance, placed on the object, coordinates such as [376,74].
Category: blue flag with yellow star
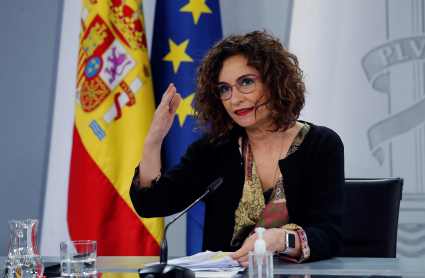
[184,31]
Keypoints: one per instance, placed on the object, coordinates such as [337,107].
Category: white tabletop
[405,267]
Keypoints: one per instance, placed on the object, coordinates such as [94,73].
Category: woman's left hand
[275,241]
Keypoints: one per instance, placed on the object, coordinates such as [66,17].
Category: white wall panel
[362,72]
[55,225]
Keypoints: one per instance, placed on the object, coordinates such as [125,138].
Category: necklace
[277,166]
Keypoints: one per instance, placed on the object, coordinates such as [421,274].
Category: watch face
[291,240]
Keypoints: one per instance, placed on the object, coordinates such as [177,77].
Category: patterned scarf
[252,210]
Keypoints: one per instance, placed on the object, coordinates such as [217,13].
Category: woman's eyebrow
[248,74]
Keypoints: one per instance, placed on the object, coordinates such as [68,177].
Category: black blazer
[313,179]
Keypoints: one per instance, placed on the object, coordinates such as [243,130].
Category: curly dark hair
[279,72]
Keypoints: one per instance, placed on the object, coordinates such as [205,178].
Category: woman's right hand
[150,164]
[164,116]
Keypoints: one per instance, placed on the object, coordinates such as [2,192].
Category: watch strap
[290,242]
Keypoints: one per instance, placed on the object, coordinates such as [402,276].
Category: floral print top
[254,212]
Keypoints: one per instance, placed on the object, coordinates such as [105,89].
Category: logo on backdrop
[397,69]
[377,64]
[105,61]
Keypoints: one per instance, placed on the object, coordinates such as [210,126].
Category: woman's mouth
[242,112]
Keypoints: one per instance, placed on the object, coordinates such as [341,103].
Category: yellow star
[196,7]
[185,108]
[177,54]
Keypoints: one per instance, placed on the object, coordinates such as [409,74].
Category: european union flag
[184,31]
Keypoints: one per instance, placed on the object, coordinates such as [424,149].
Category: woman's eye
[224,88]
[247,81]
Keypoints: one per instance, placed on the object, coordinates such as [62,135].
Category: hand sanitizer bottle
[260,261]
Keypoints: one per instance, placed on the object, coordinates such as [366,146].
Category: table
[346,267]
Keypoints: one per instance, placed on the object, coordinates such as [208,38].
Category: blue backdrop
[184,31]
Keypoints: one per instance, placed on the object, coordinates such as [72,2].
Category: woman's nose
[237,96]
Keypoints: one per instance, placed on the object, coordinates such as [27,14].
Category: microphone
[164,270]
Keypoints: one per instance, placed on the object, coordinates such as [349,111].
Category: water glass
[78,258]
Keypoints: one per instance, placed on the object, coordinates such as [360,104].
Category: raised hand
[164,116]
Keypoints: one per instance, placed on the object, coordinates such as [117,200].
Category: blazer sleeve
[177,188]
[326,200]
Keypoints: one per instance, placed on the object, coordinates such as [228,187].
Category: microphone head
[213,186]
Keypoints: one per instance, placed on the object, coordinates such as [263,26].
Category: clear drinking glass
[78,258]
[23,258]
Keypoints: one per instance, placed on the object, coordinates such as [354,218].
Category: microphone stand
[163,255]
[170,271]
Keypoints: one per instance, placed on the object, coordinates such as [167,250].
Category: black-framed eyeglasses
[245,84]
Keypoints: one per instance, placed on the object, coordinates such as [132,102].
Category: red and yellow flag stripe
[114,107]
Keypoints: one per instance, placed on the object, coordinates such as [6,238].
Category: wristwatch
[290,242]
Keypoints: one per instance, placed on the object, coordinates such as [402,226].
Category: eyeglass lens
[245,84]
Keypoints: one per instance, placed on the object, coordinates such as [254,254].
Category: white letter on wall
[384,53]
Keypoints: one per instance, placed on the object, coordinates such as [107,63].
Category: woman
[279,173]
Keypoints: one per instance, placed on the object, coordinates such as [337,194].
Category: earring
[230,124]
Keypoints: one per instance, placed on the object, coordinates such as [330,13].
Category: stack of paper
[209,262]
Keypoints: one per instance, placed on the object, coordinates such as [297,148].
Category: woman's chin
[252,124]
[243,124]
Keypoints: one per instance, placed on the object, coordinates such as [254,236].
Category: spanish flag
[114,107]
